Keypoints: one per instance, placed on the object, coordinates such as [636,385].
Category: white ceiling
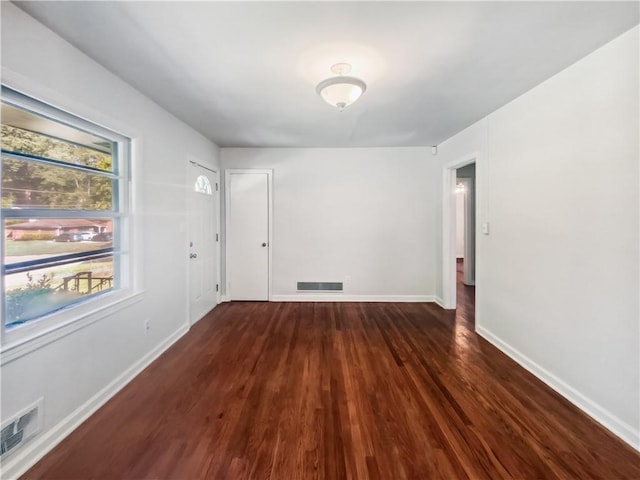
[244,73]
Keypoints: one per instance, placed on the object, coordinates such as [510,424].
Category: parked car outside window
[68,237]
[102,237]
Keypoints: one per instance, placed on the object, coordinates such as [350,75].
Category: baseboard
[440,302]
[620,428]
[337,297]
[28,455]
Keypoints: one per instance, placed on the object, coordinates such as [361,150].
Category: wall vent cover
[21,428]
[320,287]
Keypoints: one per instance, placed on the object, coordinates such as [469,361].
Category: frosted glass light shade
[341,91]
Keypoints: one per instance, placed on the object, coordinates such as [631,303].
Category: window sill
[14,349]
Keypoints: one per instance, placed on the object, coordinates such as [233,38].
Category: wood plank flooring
[338,391]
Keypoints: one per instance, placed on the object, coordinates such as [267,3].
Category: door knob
[264,244]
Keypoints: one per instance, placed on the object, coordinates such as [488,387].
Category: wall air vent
[21,428]
[320,286]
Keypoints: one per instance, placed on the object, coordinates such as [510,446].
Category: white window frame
[22,339]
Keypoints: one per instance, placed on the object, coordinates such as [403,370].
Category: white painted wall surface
[558,277]
[362,216]
[75,373]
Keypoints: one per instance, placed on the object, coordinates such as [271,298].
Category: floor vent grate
[320,287]
[20,428]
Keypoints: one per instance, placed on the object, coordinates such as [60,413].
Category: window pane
[62,180]
[30,134]
[29,184]
[42,238]
[42,291]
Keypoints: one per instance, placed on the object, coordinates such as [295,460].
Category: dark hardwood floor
[338,390]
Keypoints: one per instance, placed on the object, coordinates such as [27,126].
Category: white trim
[449,227]
[439,301]
[270,208]
[219,236]
[227,179]
[45,94]
[469,230]
[50,112]
[27,344]
[332,297]
[29,454]
[187,236]
[33,335]
[620,428]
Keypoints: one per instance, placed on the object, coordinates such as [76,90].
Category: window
[65,204]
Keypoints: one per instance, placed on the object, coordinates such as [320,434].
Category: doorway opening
[459,236]
[465,223]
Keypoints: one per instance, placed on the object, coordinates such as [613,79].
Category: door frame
[227,203]
[469,222]
[449,270]
[191,162]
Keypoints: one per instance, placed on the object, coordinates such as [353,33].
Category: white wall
[364,216]
[76,373]
[558,276]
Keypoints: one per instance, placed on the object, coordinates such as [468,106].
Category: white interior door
[203,222]
[247,236]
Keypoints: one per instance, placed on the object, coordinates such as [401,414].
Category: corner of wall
[623,430]
[16,464]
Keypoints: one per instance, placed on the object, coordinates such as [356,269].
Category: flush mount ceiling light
[341,91]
